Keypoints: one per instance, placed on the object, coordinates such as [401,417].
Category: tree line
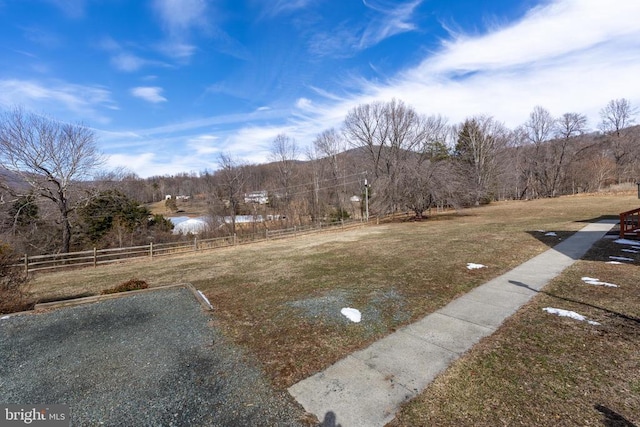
[55,197]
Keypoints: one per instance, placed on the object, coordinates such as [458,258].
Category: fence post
[26,263]
[341,222]
[266,234]
[234,239]
[151,250]
[195,244]
[95,257]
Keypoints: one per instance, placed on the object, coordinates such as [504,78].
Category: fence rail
[630,222]
[97,257]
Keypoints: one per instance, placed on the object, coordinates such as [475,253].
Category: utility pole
[366,200]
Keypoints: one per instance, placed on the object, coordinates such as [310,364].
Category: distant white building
[260,197]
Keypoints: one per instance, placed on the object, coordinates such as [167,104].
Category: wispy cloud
[546,32]
[348,37]
[179,18]
[122,58]
[151,94]
[71,8]
[83,100]
[389,21]
[278,7]
[546,58]
[42,37]
[204,144]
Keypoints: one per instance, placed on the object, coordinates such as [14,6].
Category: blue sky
[168,85]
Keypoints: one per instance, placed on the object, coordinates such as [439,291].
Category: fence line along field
[282,299]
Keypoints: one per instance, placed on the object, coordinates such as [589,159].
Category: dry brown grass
[544,370]
[281,300]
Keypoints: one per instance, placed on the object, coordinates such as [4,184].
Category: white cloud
[149,93]
[177,49]
[546,32]
[303,103]
[390,22]
[204,144]
[278,7]
[127,62]
[348,38]
[547,58]
[72,8]
[84,101]
[179,16]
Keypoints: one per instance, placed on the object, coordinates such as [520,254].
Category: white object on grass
[614,262]
[551,233]
[627,242]
[596,282]
[472,266]
[631,251]
[351,314]
[566,313]
[206,299]
[620,258]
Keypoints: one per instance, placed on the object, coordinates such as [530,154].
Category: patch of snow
[631,251]
[551,233]
[566,313]
[472,266]
[627,242]
[352,314]
[4,317]
[614,262]
[620,258]
[596,282]
[206,299]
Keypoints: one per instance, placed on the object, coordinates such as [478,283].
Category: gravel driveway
[152,358]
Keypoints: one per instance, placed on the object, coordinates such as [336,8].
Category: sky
[170,85]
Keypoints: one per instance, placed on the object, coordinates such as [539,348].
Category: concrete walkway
[367,387]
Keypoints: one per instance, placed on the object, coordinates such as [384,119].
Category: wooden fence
[97,257]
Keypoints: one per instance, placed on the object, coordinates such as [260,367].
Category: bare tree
[568,126]
[51,157]
[427,184]
[539,128]
[480,142]
[328,145]
[391,134]
[231,179]
[284,152]
[615,117]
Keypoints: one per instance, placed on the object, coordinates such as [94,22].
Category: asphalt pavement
[150,358]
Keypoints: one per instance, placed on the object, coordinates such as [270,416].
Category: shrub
[14,283]
[130,285]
